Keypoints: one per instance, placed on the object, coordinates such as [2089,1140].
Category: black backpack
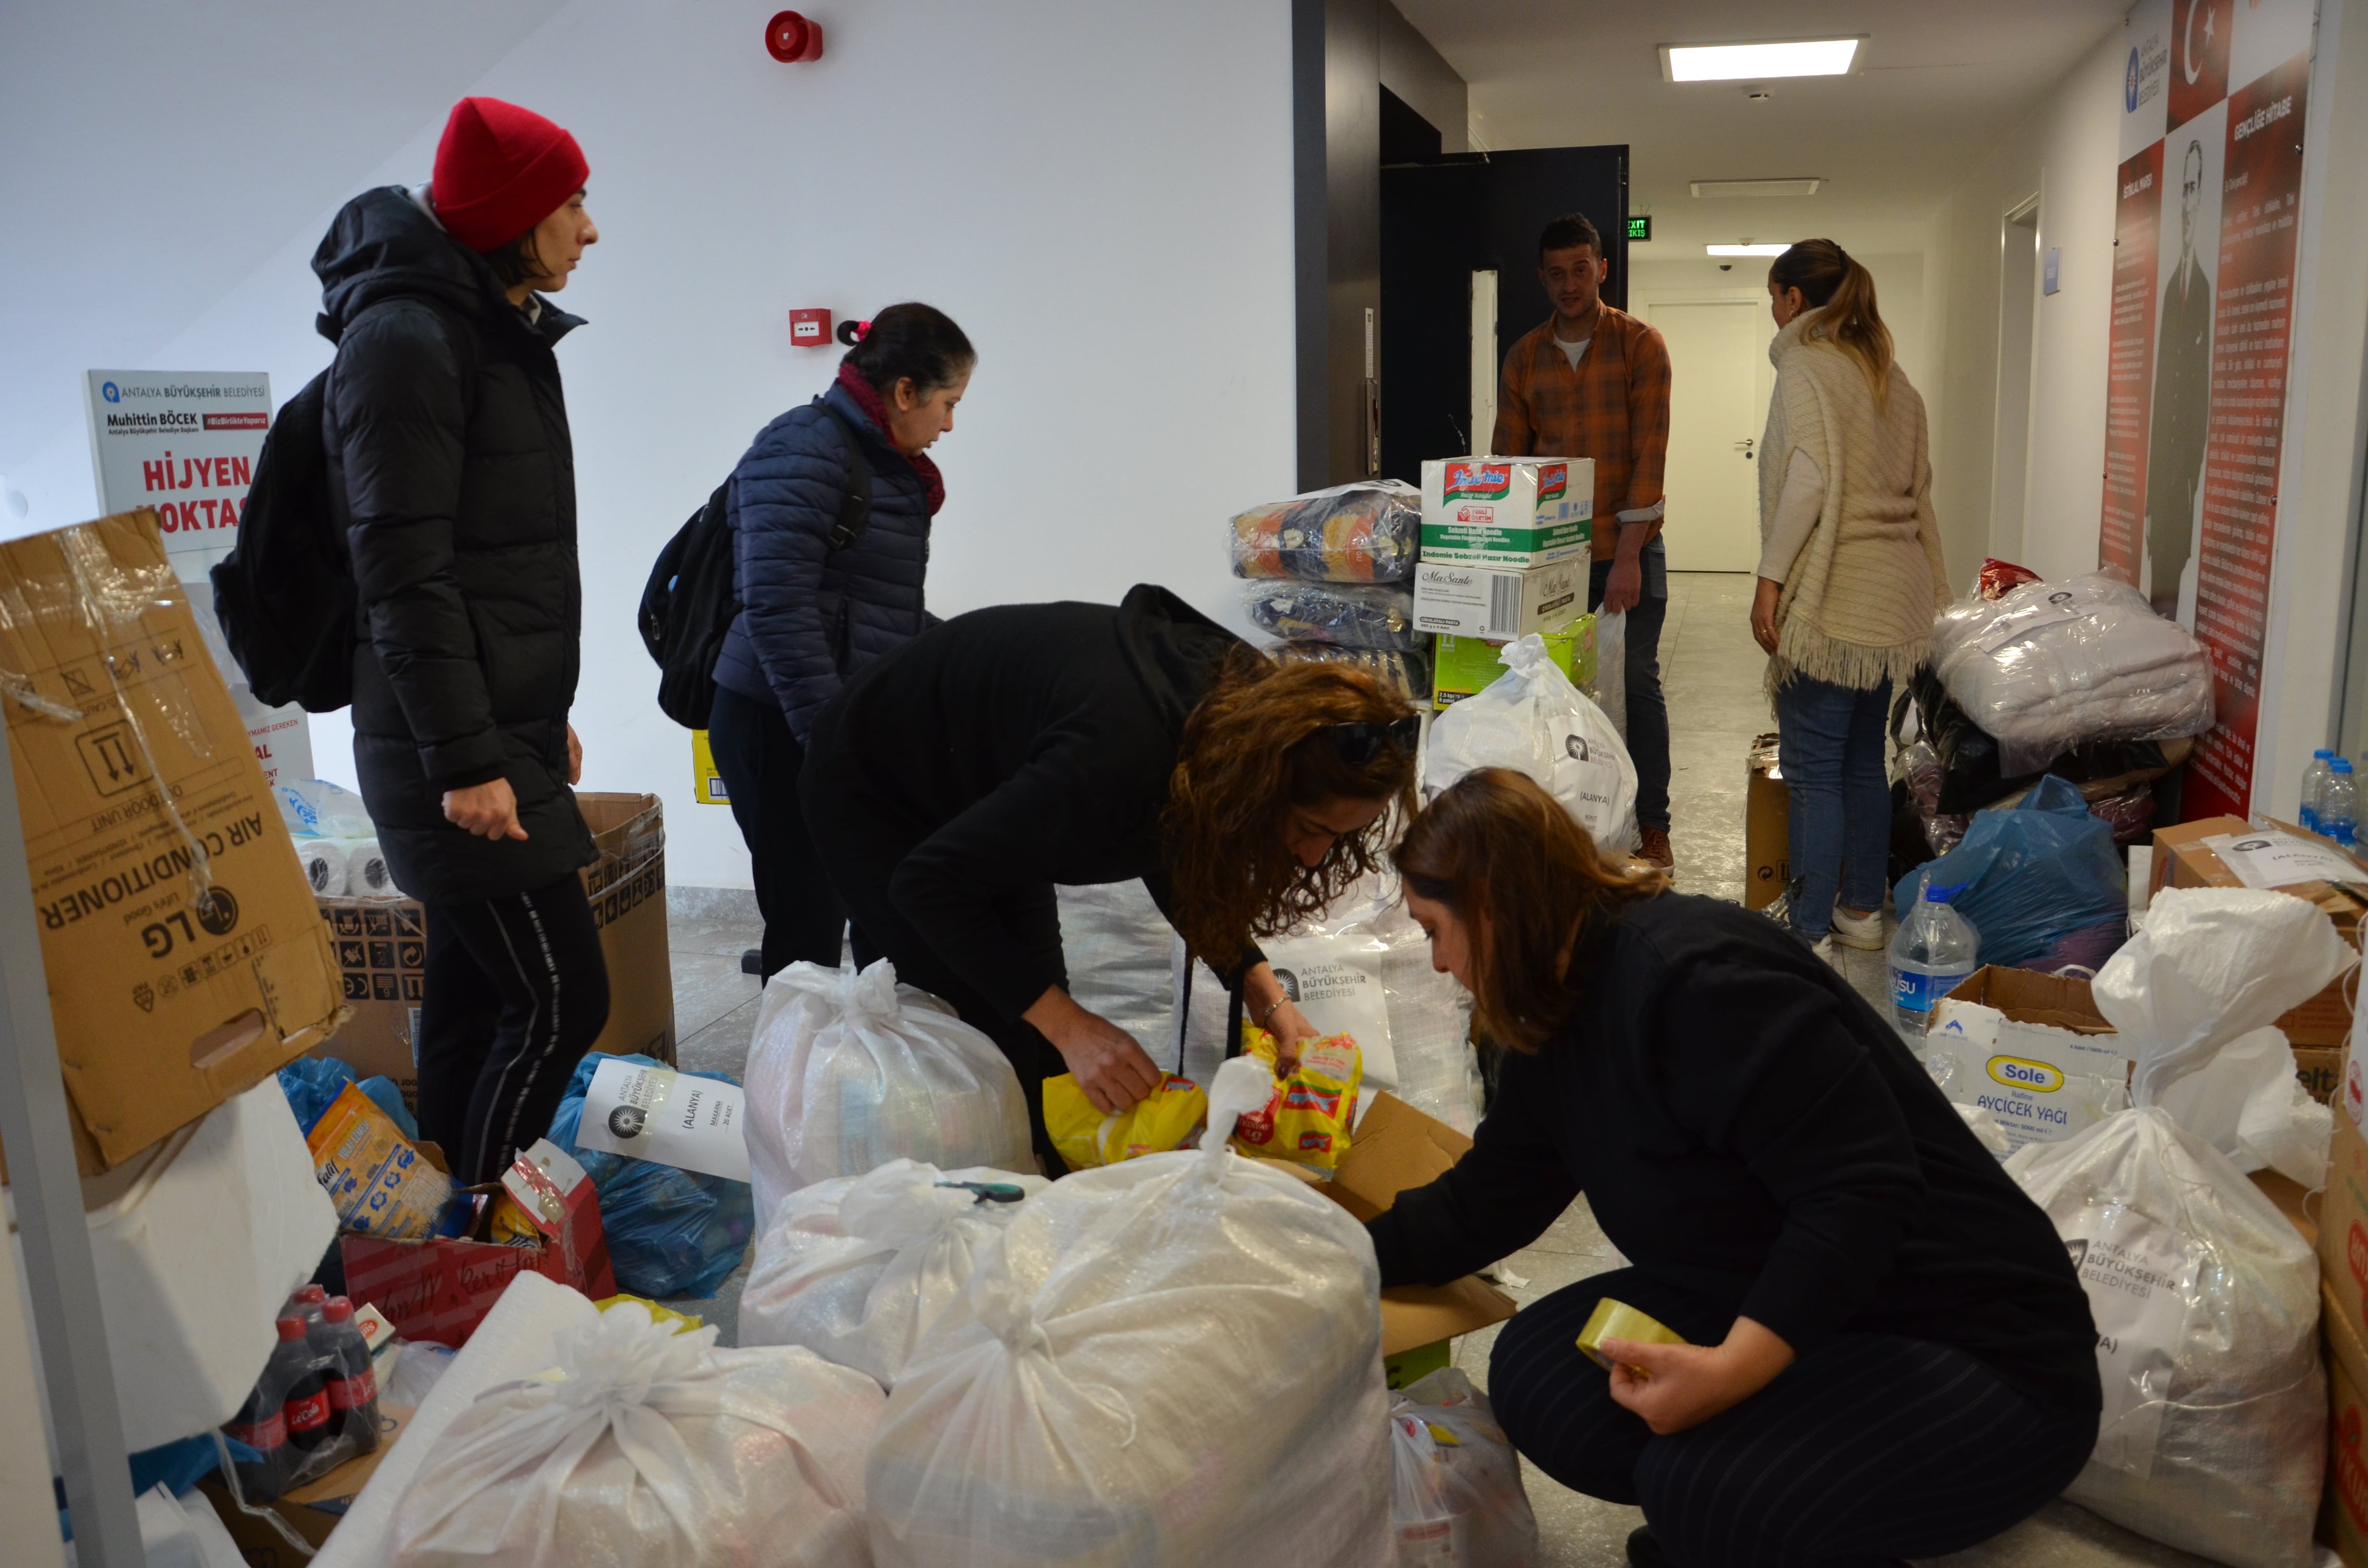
[688,605]
[285,593]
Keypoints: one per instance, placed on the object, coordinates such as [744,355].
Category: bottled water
[2338,804]
[1934,949]
[2314,784]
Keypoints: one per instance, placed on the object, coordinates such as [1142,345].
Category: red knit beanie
[500,170]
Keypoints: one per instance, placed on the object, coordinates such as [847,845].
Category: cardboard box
[1498,605]
[1463,665]
[1507,512]
[441,1289]
[2032,1050]
[2320,1068]
[1397,1147]
[2182,859]
[381,948]
[312,1510]
[1767,826]
[2343,1506]
[2343,1227]
[132,765]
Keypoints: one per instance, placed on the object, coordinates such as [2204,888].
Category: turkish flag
[2199,56]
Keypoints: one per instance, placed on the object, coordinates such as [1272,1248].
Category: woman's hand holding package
[1109,1065]
[1271,1007]
[1675,1387]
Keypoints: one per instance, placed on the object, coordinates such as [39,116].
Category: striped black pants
[515,992]
[1868,1447]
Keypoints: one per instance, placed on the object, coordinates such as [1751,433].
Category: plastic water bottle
[2338,804]
[2314,785]
[1934,949]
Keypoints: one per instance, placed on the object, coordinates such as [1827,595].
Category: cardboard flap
[2027,996]
[1396,1147]
[1416,1315]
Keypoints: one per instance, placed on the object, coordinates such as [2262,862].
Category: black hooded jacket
[1006,750]
[459,503]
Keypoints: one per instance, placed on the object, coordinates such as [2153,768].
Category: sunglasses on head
[1360,741]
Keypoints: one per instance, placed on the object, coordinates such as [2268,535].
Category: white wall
[1099,194]
[1898,293]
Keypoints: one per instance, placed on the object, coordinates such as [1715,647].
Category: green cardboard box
[1507,512]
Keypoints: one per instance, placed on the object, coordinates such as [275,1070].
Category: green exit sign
[1641,227]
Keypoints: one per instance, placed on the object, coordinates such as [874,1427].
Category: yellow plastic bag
[684,1323]
[1170,1117]
[1310,1117]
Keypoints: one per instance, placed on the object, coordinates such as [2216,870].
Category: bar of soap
[1618,1320]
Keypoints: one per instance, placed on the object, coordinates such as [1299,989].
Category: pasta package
[1309,1118]
[1170,1117]
[1367,532]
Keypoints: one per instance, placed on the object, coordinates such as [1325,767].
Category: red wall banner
[2129,383]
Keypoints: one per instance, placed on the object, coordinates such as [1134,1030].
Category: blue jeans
[1648,711]
[1841,816]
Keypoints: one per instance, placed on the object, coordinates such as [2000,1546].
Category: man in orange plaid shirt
[1592,381]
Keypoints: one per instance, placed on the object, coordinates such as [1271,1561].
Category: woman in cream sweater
[1851,574]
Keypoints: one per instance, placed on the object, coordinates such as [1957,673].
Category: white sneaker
[1828,950]
[1864,932]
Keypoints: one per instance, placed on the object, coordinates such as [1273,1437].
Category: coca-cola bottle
[262,1421]
[353,1383]
[306,1406]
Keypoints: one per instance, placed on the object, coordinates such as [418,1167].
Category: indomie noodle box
[1308,1120]
[1170,1117]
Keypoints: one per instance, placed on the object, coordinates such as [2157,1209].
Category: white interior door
[1718,409]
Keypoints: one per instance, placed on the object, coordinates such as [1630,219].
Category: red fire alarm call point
[809,329]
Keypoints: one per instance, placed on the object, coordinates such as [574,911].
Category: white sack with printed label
[849,1071]
[1170,1362]
[1455,1483]
[1531,719]
[855,1268]
[649,1448]
[2206,1298]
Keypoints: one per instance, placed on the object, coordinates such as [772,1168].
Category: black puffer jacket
[812,617]
[459,503]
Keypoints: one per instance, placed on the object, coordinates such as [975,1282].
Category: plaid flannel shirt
[1613,408]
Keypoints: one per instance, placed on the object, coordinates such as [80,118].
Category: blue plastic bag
[311,1083]
[2041,882]
[671,1232]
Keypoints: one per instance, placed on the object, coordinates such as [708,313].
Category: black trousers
[516,991]
[1648,712]
[1868,1447]
[861,851]
[761,761]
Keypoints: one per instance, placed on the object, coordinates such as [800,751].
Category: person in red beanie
[452,476]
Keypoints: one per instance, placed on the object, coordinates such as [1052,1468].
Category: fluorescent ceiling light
[1757,62]
[1747,250]
[1805,187]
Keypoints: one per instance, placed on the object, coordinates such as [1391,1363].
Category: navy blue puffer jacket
[810,619]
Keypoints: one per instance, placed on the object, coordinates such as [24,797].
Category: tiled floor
[1712,671]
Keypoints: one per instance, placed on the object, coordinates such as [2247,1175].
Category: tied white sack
[1455,1483]
[1164,1363]
[2205,1297]
[1115,945]
[649,1447]
[855,1268]
[850,1070]
[1531,719]
[2052,666]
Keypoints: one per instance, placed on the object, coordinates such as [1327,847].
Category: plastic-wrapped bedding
[1366,532]
[1174,1360]
[2052,666]
[1353,615]
[1406,671]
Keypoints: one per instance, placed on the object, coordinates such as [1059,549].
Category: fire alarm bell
[791,38]
[809,329]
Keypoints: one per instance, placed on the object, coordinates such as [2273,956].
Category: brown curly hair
[1530,888]
[1250,754]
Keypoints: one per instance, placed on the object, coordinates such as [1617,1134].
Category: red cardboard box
[442,1289]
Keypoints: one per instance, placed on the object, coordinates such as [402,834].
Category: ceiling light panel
[1758,62]
[1746,250]
[1707,187]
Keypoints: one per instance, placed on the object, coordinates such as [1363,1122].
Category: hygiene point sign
[184,443]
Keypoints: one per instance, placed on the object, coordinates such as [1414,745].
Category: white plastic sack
[2052,666]
[1533,720]
[1365,945]
[1611,688]
[1170,1362]
[855,1269]
[849,1071]
[649,1448]
[1115,944]
[1455,1483]
[2206,1298]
